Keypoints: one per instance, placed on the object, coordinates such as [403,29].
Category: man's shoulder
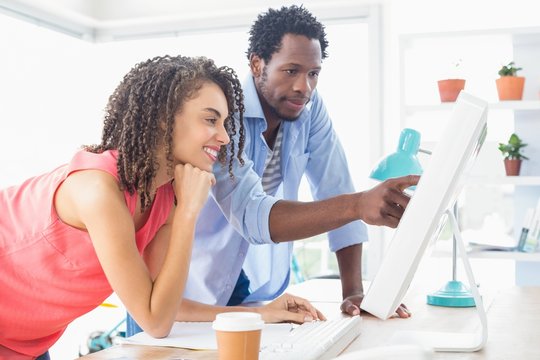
[316,98]
[315,109]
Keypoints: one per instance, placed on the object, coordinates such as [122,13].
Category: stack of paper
[201,336]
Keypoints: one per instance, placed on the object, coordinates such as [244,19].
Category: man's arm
[382,205]
[350,269]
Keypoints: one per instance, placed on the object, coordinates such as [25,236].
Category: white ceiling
[106,20]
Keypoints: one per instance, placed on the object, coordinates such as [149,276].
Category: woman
[71,237]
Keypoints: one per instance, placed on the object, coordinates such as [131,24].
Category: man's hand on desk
[403,312]
[290,308]
[351,306]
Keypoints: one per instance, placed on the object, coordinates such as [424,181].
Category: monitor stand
[447,341]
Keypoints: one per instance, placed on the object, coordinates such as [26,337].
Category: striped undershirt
[271,178]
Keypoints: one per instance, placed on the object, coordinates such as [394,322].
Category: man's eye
[314,74]
[211,120]
[290,71]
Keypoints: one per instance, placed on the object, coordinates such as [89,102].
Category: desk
[513,317]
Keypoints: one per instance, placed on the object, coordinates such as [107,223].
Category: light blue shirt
[236,215]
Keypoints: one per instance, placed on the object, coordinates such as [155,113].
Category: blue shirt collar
[253,108]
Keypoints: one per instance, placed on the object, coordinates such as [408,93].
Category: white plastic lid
[238,321]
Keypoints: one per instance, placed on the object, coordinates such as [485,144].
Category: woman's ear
[256,65]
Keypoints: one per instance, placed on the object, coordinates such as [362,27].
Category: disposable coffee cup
[238,335]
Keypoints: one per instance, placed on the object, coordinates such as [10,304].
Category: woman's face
[199,130]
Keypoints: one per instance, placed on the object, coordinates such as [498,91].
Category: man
[288,134]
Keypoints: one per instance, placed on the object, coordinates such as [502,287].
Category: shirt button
[228,287]
[240,254]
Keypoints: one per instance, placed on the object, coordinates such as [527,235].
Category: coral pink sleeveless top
[49,271]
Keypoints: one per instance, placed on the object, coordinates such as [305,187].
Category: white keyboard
[316,340]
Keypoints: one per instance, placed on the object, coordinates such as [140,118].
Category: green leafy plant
[509,70]
[512,149]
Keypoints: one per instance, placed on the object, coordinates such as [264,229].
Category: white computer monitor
[436,192]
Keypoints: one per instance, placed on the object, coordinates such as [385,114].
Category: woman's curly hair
[140,115]
[267,31]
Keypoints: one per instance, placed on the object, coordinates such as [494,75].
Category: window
[55,87]
[345,87]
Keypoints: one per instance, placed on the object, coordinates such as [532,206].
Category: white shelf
[516,105]
[501,105]
[484,254]
[504,180]
[422,107]
[512,31]
[510,255]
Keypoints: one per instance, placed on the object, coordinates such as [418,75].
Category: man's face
[285,83]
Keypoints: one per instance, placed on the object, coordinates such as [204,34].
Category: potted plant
[512,154]
[509,85]
[449,88]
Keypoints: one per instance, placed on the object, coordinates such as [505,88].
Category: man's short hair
[268,30]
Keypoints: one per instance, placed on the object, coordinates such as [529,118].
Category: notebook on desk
[201,336]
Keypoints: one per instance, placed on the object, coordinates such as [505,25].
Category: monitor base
[446,341]
[439,341]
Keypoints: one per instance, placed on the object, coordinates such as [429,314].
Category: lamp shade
[402,162]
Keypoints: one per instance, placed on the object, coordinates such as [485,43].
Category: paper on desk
[201,336]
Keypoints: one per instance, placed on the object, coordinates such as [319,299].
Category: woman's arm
[101,208]
[286,308]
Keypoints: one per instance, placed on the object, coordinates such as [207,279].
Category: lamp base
[453,294]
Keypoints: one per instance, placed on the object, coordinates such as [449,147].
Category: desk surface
[513,315]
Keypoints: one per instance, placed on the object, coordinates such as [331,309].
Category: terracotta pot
[449,89]
[510,87]
[512,166]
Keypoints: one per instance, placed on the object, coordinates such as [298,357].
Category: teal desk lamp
[402,162]
[405,162]
[454,293]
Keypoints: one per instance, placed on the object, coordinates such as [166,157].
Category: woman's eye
[211,120]
[290,71]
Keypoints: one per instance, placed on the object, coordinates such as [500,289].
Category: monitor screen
[423,218]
